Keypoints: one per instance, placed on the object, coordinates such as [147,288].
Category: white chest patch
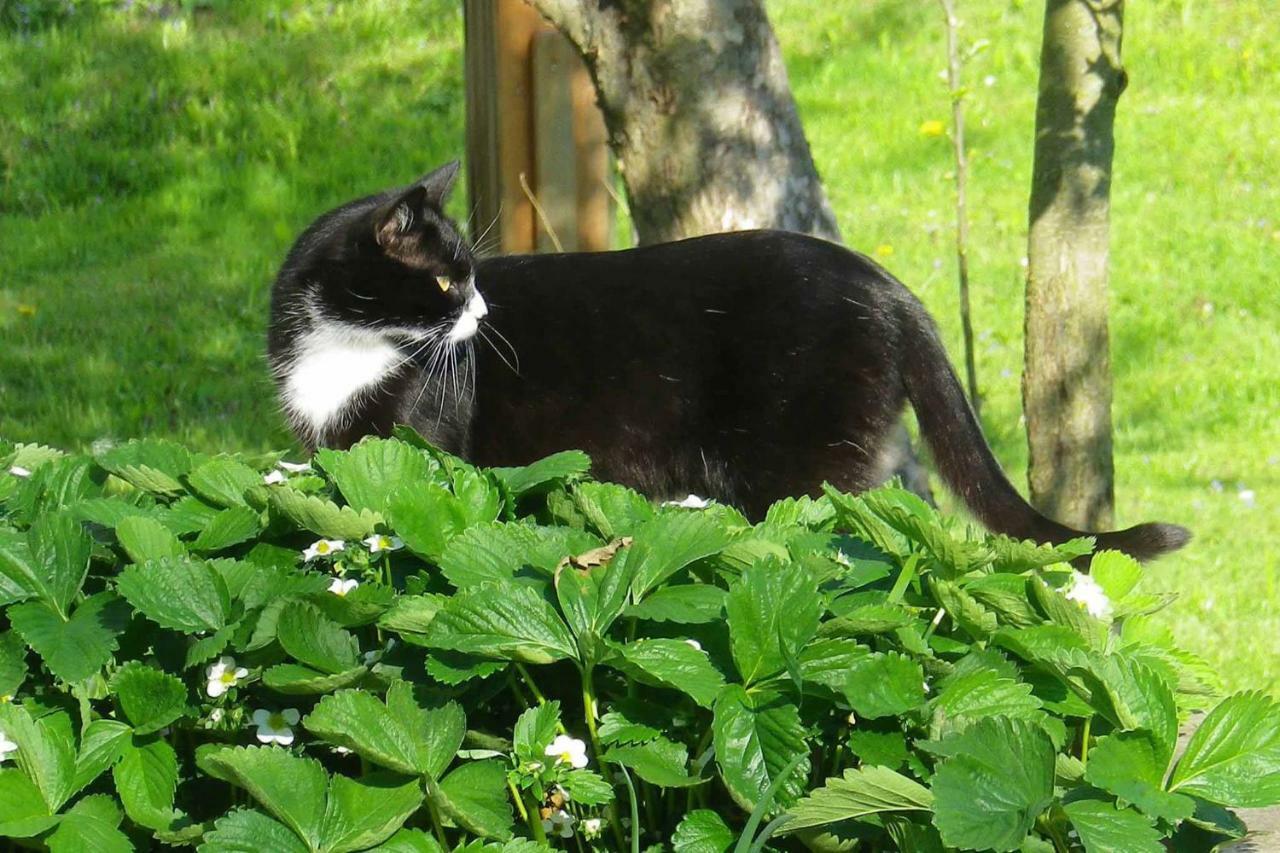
[333,364]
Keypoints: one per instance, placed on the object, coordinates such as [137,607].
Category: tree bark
[1066,385]
[702,123]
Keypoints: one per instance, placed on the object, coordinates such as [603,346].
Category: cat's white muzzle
[468,322]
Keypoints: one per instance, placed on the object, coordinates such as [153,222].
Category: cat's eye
[444,283]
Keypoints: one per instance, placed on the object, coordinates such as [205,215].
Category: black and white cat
[746,366]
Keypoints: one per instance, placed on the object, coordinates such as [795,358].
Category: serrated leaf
[1233,758]
[669,543]
[503,621]
[323,517]
[997,780]
[702,831]
[372,469]
[13,663]
[229,527]
[884,685]
[249,831]
[861,792]
[611,509]
[145,539]
[147,780]
[153,465]
[659,762]
[78,647]
[756,736]
[360,813]
[773,610]
[294,680]
[25,811]
[534,731]
[90,824]
[1130,694]
[398,735]
[496,551]
[964,610]
[558,467]
[671,663]
[685,604]
[827,662]
[292,789]
[588,787]
[46,752]
[616,728]
[984,693]
[475,797]
[315,640]
[1061,611]
[184,594]
[60,558]
[427,516]
[1117,573]
[883,749]
[411,614]
[149,698]
[1131,766]
[223,482]
[1104,828]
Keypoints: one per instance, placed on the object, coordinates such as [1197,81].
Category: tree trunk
[1066,386]
[701,120]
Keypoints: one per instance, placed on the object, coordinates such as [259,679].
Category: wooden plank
[594,163]
[555,183]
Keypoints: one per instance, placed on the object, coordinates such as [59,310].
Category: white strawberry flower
[294,467]
[559,822]
[341,587]
[691,502]
[1086,592]
[276,726]
[592,827]
[323,548]
[568,750]
[224,675]
[381,542]
[7,747]
[274,478]
[19,471]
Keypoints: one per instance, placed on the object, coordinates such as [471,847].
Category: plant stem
[905,577]
[589,711]
[528,682]
[436,824]
[1084,741]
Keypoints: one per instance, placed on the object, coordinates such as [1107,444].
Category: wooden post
[531,113]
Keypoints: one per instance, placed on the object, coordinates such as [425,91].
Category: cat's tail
[967,465]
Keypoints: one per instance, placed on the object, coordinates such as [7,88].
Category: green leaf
[363,812]
[827,662]
[884,685]
[152,465]
[702,831]
[686,604]
[147,539]
[611,509]
[91,824]
[503,621]
[411,614]
[223,482]
[60,554]
[862,792]
[317,641]
[478,494]
[964,610]
[78,647]
[184,594]
[558,467]
[773,610]
[101,744]
[19,579]
[249,831]
[535,730]
[495,552]
[25,811]
[398,735]
[13,663]
[475,797]
[1131,766]
[149,698]
[45,754]
[671,663]
[411,841]
[996,782]
[294,680]
[1233,759]
[669,543]
[229,527]
[616,728]
[321,516]
[587,788]
[984,693]
[1060,610]
[659,762]
[1104,828]
[292,789]
[884,749]
[427,516]
[147,780]
[1117,573]
[371,470]
[1130,694]
[756,737]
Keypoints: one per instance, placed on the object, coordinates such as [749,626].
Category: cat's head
[403,266]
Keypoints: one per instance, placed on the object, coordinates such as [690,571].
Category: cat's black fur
[745,366]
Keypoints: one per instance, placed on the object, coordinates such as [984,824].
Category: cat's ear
[396,219]
[439,183]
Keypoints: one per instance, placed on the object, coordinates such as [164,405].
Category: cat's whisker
[480,240]
[514,355]
[498,352]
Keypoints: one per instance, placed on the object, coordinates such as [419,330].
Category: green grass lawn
[155,170]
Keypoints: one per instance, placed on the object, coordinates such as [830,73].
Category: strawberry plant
[390,649]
